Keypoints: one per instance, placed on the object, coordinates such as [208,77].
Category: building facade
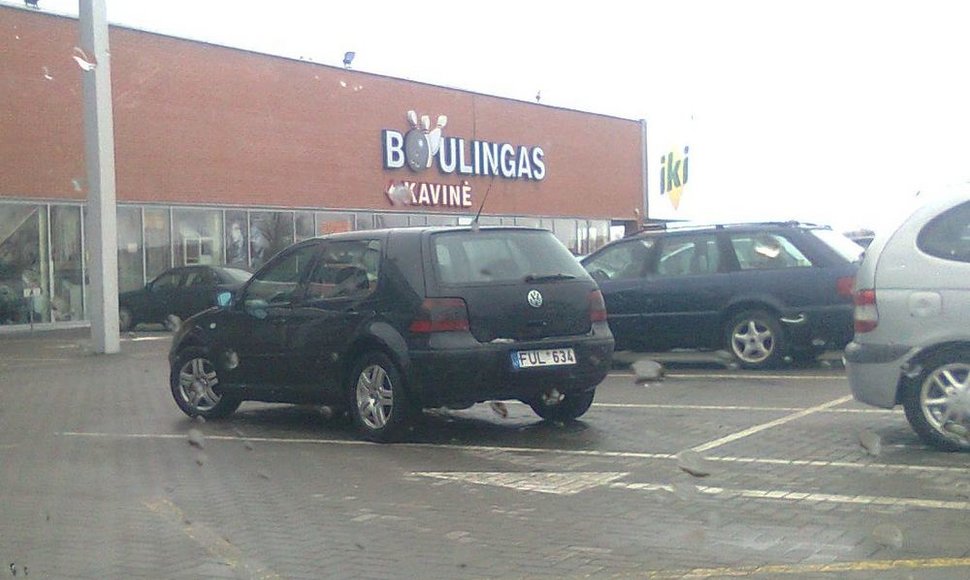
[227,156]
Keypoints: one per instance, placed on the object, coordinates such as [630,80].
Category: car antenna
[481,207]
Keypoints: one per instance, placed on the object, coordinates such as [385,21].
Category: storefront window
[130,274]
[565,230]
[442,220]
[304,226]
[329,222]
[365,221]
[528,222]
[158,242]
[68,276]
[237,239]
[390,220]
[599,235]
[198,237]
[269,232]
[20,266]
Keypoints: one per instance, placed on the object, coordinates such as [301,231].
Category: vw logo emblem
[535,298]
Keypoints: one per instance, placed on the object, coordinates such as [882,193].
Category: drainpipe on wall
[645,173]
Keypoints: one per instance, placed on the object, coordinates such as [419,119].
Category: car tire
[571,407]
[377,400]
[125,319]
[195,386]
[755,339]
[929,401]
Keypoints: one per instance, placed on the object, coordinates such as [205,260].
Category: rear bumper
[452,371]
[874,372]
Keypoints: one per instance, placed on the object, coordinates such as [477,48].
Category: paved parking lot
[101,479]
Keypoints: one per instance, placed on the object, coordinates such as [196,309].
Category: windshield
[235,275]
[501,256]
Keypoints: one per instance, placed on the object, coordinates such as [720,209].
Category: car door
[338,298]
[619,270]
[685,291]
[196,292]
[258,319]
[161,298]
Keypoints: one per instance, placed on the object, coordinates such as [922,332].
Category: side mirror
[224,299]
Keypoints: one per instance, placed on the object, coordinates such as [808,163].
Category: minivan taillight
[866,315]
[843,286]
[597,307]
[440,315]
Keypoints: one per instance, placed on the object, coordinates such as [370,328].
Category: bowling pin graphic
[434,138]
[416,153]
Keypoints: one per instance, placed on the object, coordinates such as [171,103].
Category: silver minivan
[912,321]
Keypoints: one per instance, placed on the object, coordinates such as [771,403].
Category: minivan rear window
[947,236]
[468,257]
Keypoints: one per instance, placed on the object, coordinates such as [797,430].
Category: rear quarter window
[947,236]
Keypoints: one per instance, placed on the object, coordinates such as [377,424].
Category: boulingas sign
[423,146]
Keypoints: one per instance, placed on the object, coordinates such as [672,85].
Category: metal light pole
[99,153]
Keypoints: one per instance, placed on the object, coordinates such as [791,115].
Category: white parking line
[736,408]
[764,426]
[541,451]
[740,376]
[788,495]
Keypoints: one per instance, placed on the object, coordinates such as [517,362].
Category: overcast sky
[824,111]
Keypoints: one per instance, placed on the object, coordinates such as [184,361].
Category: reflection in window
[130,274]
[329,222]
[20,264]
[767,252]
[67,303]
[269,233]
[237,239]
[304,226]
[345,270]
[390,220]
[198,237]
[622,261]
[681,256]
[158,243]
[276,284]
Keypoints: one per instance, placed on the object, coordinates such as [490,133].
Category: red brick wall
[197,123]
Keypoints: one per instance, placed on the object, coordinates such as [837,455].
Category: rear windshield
[845,247]
[501,256]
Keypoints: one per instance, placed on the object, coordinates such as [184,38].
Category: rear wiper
[548,277]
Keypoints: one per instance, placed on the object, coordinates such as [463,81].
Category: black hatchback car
[387,322]
[760,291]
[176,294]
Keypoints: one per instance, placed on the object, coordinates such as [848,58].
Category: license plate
[550,357]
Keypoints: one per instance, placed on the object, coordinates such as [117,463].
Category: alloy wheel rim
[945,401]
[197,382]
[375,397]
[752,341]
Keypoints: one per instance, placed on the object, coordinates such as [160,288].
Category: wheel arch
[748,304]
[381,337]
[914,366]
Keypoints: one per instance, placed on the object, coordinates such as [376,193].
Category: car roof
[673,227]
[420,230]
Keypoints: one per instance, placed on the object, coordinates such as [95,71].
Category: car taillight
[597,307]
[441,315]
[843,286]
[866,315]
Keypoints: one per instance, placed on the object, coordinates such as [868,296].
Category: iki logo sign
[423,147]
[673,176]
